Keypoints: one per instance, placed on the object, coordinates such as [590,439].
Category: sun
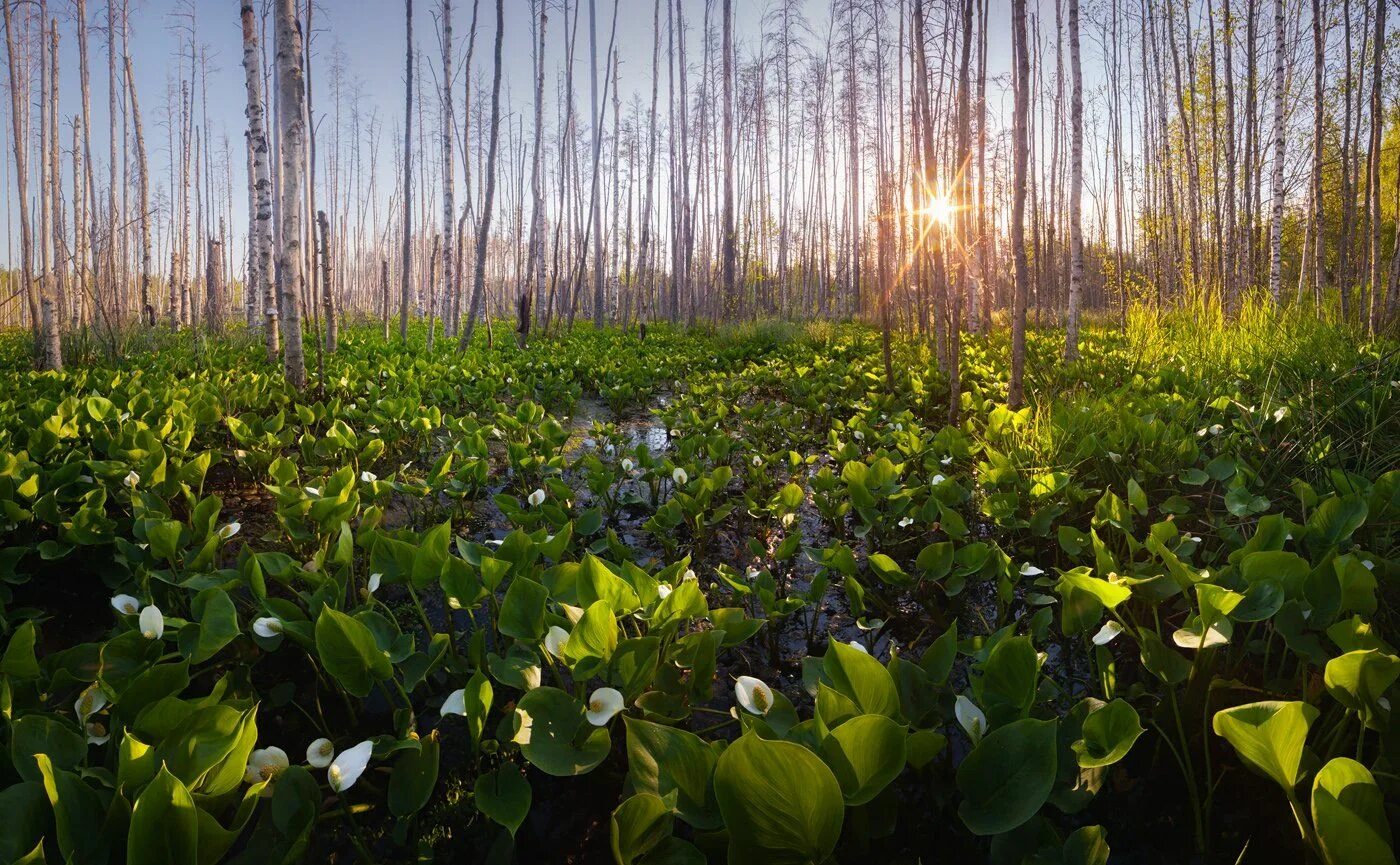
[939,209]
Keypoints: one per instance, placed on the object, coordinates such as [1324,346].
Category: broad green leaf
[595,635]
[665,760]
[1008,776]
[866,754]
[1108,734]
[164,824]
[504,795]
[637,826]
[1360,680]
[781,804]
[415,775]
[547,723]
[522,610]
[349,653]
[861,678]
[1349,815]
[1268,736]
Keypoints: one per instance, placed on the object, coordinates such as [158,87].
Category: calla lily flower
[555,639]
[368,477]
[856,644]
[455,704]
[751,574]
[757,461]
[663,590]
[1106,634]
[374,580]
[90,702]
[97,733]
[1030,570]
[320,753]
[602,705]
[970,718]
[907,521]
[267,626]
[127,605]
[131,480]
[936,480]
[230,530]
[152,623]
[860,436]
[753,694]
[349,766]
[947,461]
[536,498]
[689,574]
[531,677]
[265,764]
[627,465]
[679,477]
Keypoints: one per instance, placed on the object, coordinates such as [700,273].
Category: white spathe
[152,623]
[320,753]
[127,605]
[753,695]
[970,718]
[602,705]
[347,768]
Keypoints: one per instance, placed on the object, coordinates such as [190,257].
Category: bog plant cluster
[765,606]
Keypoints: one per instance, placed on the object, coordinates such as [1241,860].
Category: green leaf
[546,723]
[595,635]
[218,625]
[1268,736]
[638,825]
[1108,734]
[597,581]
[1349,815]
[861,678]
[164,824]
[522,610]
[866,754]
[78,814]
[504,795]
[40,734]
[415,775]
[1008,776]
[349,653]
[665,760]
[19,661]
[1359,680]
[781,804]
[1007,687]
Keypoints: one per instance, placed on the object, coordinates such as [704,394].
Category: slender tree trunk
[483,230]
[1076,186]
[406,266]
[19,117]
[214,286]
[731,301]
[291,86]
[1373,172]
[1276,181]
[143,186]
[1319,250]
[1020,156]
[261,284]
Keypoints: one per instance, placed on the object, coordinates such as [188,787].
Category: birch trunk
[291,86]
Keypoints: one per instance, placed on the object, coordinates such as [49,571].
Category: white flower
[1280,414]
[267,626]
[856,644]
[531,677]
[751,574]
[753,694]
[627,464]
[368,477]
[131,479]
[90,702]
[907,521]
[860,436]
[455,704]
[675,434]
[230,530]
[536,498]
[757,460]
[970,718]
[602,705]
[947,461]
[1201,433]
[313,491]
[320,753]
[689,574]
[1106,634]
[679,476]
[96,733]
[936,480]
[1216,429]
[374,580]
[1115,457]
[1030,570]
[265,764]
[663,590]
[152,623]
[126,605]
[899,427]
[347,768]
[554,641]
